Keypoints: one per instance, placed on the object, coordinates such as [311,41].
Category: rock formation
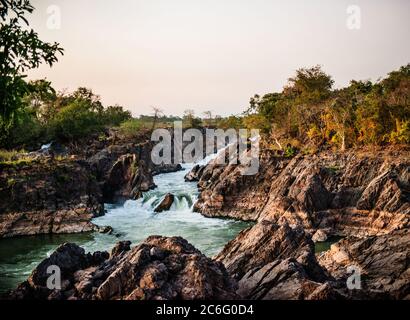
[165,204]
[159,268]
[124,171]
[226,192]
[356,192]
[195,173]
[47,196]
[382,262]
[275,262]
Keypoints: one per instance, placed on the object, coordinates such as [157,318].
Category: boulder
[165,204]
[120,247]
[319,236]
[165,168]
[127,178]
[124,170]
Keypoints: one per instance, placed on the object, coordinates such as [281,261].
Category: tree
[190,119]
[115,115]
[207,117]
[40,98]
[157,113]
[338,119]
[75,121]
[310,85]
[20,50]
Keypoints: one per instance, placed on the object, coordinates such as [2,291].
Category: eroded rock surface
[383,263]
[47,196]
[226,192]
[351,193]
[50,193]
[195,174]
[124,171]
[159,268]
[276,262]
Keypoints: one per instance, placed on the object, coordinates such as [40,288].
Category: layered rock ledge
[352,193]
[48,197]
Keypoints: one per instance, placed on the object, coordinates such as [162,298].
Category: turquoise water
[325,246]
[134,221]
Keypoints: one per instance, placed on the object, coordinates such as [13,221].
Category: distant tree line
[309,112]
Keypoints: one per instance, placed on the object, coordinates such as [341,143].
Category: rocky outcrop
[352,193]
[165,168]
[51,191]
[275,262]
[47,196]
[124,171]
[365,194]
[383,263]
[159,268]
[195,173]
[165,204]
[226,192]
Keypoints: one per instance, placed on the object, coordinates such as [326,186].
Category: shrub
[402,132]
[8,155]
[131,128]
[290,152]
[75,121]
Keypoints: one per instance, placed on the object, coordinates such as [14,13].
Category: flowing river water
[132,220]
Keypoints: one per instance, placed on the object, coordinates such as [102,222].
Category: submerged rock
[165,204]
[165,168]
[159,268]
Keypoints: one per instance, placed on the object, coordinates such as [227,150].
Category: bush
[115,115]
[290,152]
[131,128]
[401,134]
[75,121]
[8,155]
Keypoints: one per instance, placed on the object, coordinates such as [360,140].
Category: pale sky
[216,54]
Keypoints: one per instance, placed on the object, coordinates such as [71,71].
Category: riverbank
[340,201]
[133,220]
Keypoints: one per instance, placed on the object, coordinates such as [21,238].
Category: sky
[215,54]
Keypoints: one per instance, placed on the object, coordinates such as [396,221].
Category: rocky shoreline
[357,193]
[361,196]
[53,193]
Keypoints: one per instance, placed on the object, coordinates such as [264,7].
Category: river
[132,220]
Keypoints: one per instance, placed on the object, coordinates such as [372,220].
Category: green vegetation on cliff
[309,112]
